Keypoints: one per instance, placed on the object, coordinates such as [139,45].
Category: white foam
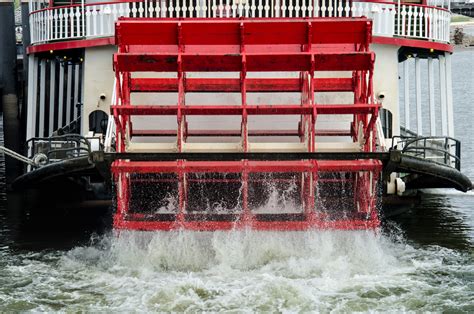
[243,271]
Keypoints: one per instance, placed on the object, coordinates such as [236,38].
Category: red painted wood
[216,85]
[289,31]
[72,44]
[217,110]
[236,133]
[256,62]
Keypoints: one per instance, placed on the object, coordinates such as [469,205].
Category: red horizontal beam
[342,224]
[349,165]
[70,44]
[225,62]
[215,85]
[235,133]
[256,31]
[238,110]
[120,166]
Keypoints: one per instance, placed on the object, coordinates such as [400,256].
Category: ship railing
[94,20]
[46,150]
[440,149]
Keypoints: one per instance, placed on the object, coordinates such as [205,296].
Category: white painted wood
[406,99]
[403,21]
[431,97]
[449,95]
[52,98]
[419,118]
[68,94]
[32,97]
[76,91]
[151,147]
[277,147]
[62,69]
[443,96]
[42,100]
[81,100]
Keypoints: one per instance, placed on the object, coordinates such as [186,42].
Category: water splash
[244,271]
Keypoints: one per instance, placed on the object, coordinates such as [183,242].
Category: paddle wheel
[241,98]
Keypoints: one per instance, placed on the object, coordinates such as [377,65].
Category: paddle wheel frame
[245,46]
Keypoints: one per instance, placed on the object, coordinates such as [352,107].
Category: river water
[422,260]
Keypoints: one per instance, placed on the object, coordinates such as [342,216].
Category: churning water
[241,272]
[422,260]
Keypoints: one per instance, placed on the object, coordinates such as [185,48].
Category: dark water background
[423,260]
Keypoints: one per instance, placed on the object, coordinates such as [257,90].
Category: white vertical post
[419,126]
[442,90]
[449,95]
[431,98]
[68,94]
[406,82]
[76,91]
[62,68]
[81,112]
[32,83]
[398,12]
[42,97]
[52,98]
[83,17]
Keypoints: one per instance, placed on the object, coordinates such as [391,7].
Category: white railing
[416,21]
[97,20]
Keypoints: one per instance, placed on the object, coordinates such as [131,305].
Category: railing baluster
[415,19]
[323,9]
[310,9]
[220,9]
[214,9]
[420,22]
[66,23]
[228,10]
[283,8]
[140,9]
[177,9]
[80,32]
[247,8]
[233,9]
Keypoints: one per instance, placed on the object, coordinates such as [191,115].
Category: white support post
[42,99]
[406,82]
[76,91]
[431,97]
[68,94]
[449,95]
[442,90]
[32,98]
[81,112]
[52,98]
[62,69]
[419,126]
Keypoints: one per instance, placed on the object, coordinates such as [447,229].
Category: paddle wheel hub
[241,87]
